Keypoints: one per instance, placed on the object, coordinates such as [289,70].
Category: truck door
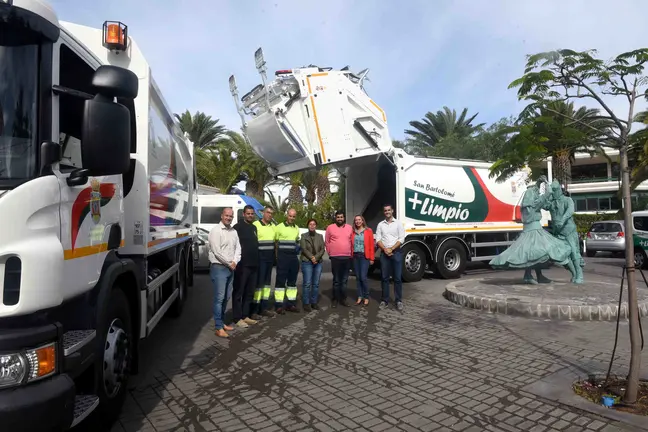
[90,206]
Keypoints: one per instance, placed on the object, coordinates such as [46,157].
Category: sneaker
[307,308]
[250,321]
[382,305]
[315,306]
[256,317]
[399,306]
[242,323]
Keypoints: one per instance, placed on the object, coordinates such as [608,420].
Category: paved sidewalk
[436,367]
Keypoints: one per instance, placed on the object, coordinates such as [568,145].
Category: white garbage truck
[452,211]
[96,192]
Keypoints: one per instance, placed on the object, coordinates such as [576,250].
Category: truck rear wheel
[113,358]
[451,259]
[414,263]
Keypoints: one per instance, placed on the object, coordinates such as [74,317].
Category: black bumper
[44,405]
[41,406]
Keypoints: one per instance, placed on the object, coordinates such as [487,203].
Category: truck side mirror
[106,132]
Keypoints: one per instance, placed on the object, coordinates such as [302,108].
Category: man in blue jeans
[390,236]
[224,256]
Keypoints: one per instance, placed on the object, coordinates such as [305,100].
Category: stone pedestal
[559,300]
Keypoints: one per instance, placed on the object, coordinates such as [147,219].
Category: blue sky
[422,54]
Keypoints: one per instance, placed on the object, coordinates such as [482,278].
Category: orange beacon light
[115,35]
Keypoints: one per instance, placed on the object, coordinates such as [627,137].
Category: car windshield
[18,113]
[606,227]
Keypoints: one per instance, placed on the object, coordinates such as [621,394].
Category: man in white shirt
[390,236]
[224,255]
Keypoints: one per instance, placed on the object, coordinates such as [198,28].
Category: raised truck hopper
[311,116]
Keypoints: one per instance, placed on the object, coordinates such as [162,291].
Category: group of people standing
[242,257]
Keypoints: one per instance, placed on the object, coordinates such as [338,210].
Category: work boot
[315,306]
[256,317]
[344,303]
[292,308]
[268,313]
[281,311]
[307,308]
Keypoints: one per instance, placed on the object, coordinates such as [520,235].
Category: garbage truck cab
[96,186]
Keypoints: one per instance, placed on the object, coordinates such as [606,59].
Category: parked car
[605,236]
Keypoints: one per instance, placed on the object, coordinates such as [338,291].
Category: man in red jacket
[339,238]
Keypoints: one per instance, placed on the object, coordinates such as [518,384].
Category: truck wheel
[113,359]
[176,308]
[590,253]
[451,260]
[413,263]
[640,258]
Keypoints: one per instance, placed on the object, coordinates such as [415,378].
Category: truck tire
[590,253]
[113,358]
[640,258]
[414,263]
[451,259]
[181,282]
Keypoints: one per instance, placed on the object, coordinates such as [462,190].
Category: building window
[591,172]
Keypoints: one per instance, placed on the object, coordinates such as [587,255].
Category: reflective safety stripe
[291,293]
[257,295]
[279,295]
[287,247]
[266,292]
[266,247]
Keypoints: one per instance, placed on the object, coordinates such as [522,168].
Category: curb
[553,312]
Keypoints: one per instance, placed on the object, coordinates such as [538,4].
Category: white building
[596,182]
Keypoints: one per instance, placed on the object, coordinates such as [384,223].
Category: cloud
[422,54]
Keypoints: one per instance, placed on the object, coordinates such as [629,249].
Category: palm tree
[436,126]
[279,205]
[201,128]
[323,184]
[296,182]
[216,166]
[555,130]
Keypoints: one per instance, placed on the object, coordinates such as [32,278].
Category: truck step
[83,406]
[74,340]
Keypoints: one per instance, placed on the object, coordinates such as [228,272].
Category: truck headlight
[27,366]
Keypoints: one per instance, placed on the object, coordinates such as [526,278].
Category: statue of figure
[534,248]
[564,228]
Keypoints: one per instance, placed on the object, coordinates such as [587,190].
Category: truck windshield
[18,113]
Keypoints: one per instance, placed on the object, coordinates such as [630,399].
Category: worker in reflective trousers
[266,236]
[287,236]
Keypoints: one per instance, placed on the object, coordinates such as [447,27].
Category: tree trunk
[562,164]
[295,195]
[633,305]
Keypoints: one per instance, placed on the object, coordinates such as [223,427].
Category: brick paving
[436,367]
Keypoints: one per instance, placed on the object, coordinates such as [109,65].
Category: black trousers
[245,279]
[340,267]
